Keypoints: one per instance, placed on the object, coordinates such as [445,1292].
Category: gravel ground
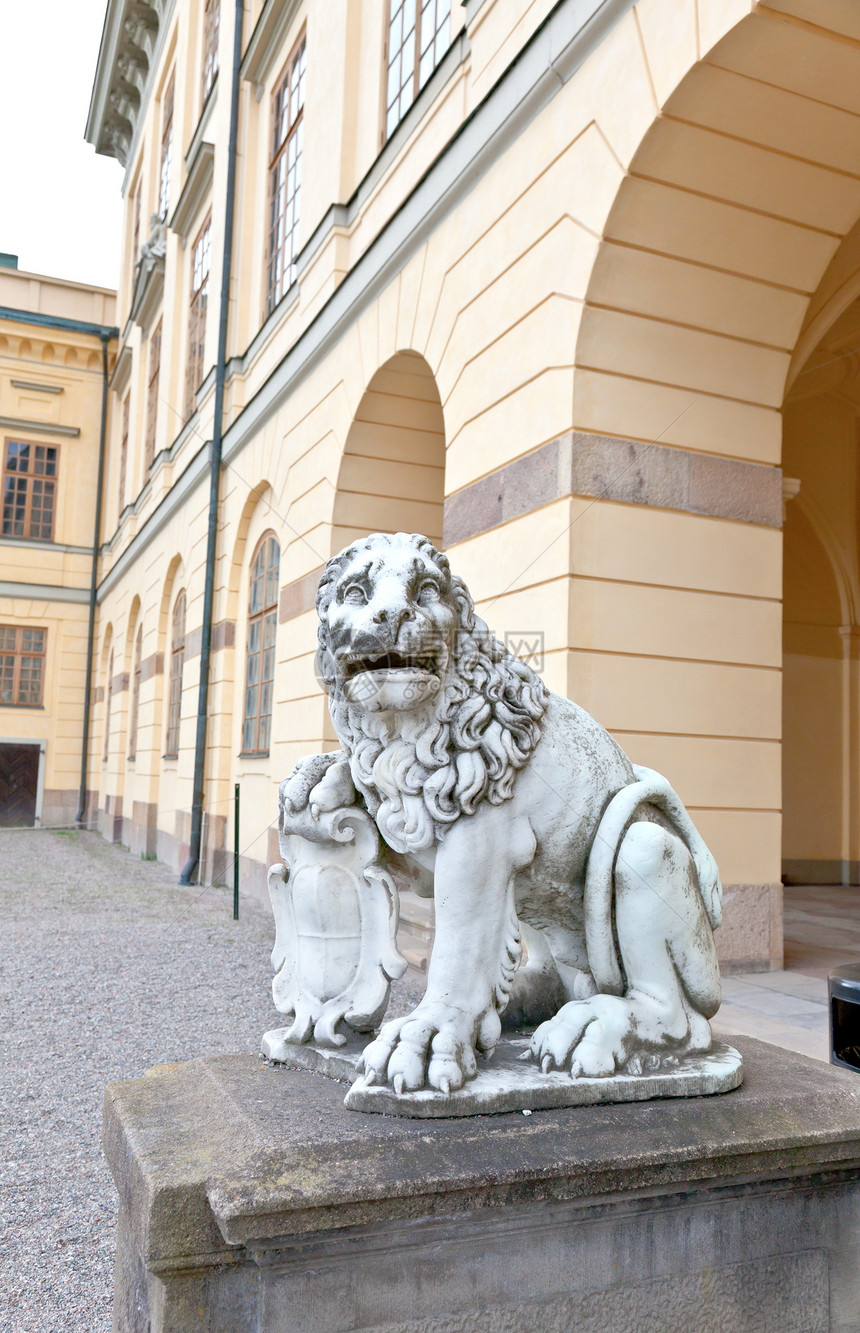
[107,967]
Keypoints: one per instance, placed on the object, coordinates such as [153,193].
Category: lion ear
[463,602]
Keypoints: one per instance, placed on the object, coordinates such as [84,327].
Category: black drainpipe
[106,337]
[215,471]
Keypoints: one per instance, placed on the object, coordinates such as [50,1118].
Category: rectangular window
[29,490]
[166,150]
[285,176]
[152,394]
[123,454]
[419,34]
[22,665]
[211,22]
[197,314]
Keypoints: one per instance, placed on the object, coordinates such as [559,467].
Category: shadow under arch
[392,471]
[821,609]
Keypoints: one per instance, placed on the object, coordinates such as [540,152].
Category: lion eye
[355,595]
[428,593]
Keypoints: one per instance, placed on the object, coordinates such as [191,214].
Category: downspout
[80,817]
[215,470]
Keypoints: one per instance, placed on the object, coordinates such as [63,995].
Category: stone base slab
[252,1199]
[510,1081]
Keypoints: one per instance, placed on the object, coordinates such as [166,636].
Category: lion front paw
[591,1038]
[434,1046]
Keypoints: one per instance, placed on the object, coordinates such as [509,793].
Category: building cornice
[40,321]
[44,592]
[39,427]
[127,58]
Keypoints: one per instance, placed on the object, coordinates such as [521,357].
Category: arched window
[177,658]
[108,691]
[135,696]
[262,624]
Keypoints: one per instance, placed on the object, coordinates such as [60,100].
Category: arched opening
[392,473]
[725,255]
[392,479]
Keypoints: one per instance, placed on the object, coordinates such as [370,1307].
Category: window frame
[135,234]
[278,280]
[211,32]
[152,395]
[265,615]
[134,711]
[177,662]
[165,162]
[30,477]
[197,306]
[123,454]
[418,57]
[18,655]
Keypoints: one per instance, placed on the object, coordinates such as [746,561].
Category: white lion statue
[527,823]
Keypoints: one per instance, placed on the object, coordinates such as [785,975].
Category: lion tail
[649,788]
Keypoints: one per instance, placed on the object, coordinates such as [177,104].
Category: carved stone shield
[336,913]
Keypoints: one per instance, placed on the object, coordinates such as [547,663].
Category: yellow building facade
[57,346]
[570,287]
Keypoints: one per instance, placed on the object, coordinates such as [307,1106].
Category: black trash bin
[844,986]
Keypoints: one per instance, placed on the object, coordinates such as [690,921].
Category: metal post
[236,852]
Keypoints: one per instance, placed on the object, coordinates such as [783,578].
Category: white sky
[59,202]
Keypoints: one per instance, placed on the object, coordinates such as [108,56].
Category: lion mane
[423,769]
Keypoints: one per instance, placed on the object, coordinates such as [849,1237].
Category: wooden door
[19,778]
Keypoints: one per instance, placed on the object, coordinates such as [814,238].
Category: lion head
[432,712]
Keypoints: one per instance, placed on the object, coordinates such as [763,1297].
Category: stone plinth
[252,1199]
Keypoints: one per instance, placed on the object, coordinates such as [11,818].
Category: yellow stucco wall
[51,393]
[629,261]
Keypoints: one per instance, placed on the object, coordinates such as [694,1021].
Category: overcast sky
[59,202]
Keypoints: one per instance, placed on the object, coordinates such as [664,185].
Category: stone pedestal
[252,1199]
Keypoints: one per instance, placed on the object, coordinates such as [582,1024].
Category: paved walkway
[108,968]
[789,1008]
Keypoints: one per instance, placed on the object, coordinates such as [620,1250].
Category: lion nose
[392,617]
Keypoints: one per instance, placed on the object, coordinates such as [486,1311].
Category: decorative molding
[43,427]
[122,369]
[40,545]
[37,388]
[43,592]
[127,57]
[149,279]
[627,471]
[200,128]
[201,169]
[266,41]
[57,322]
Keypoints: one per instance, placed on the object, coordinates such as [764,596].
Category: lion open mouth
[356,666]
